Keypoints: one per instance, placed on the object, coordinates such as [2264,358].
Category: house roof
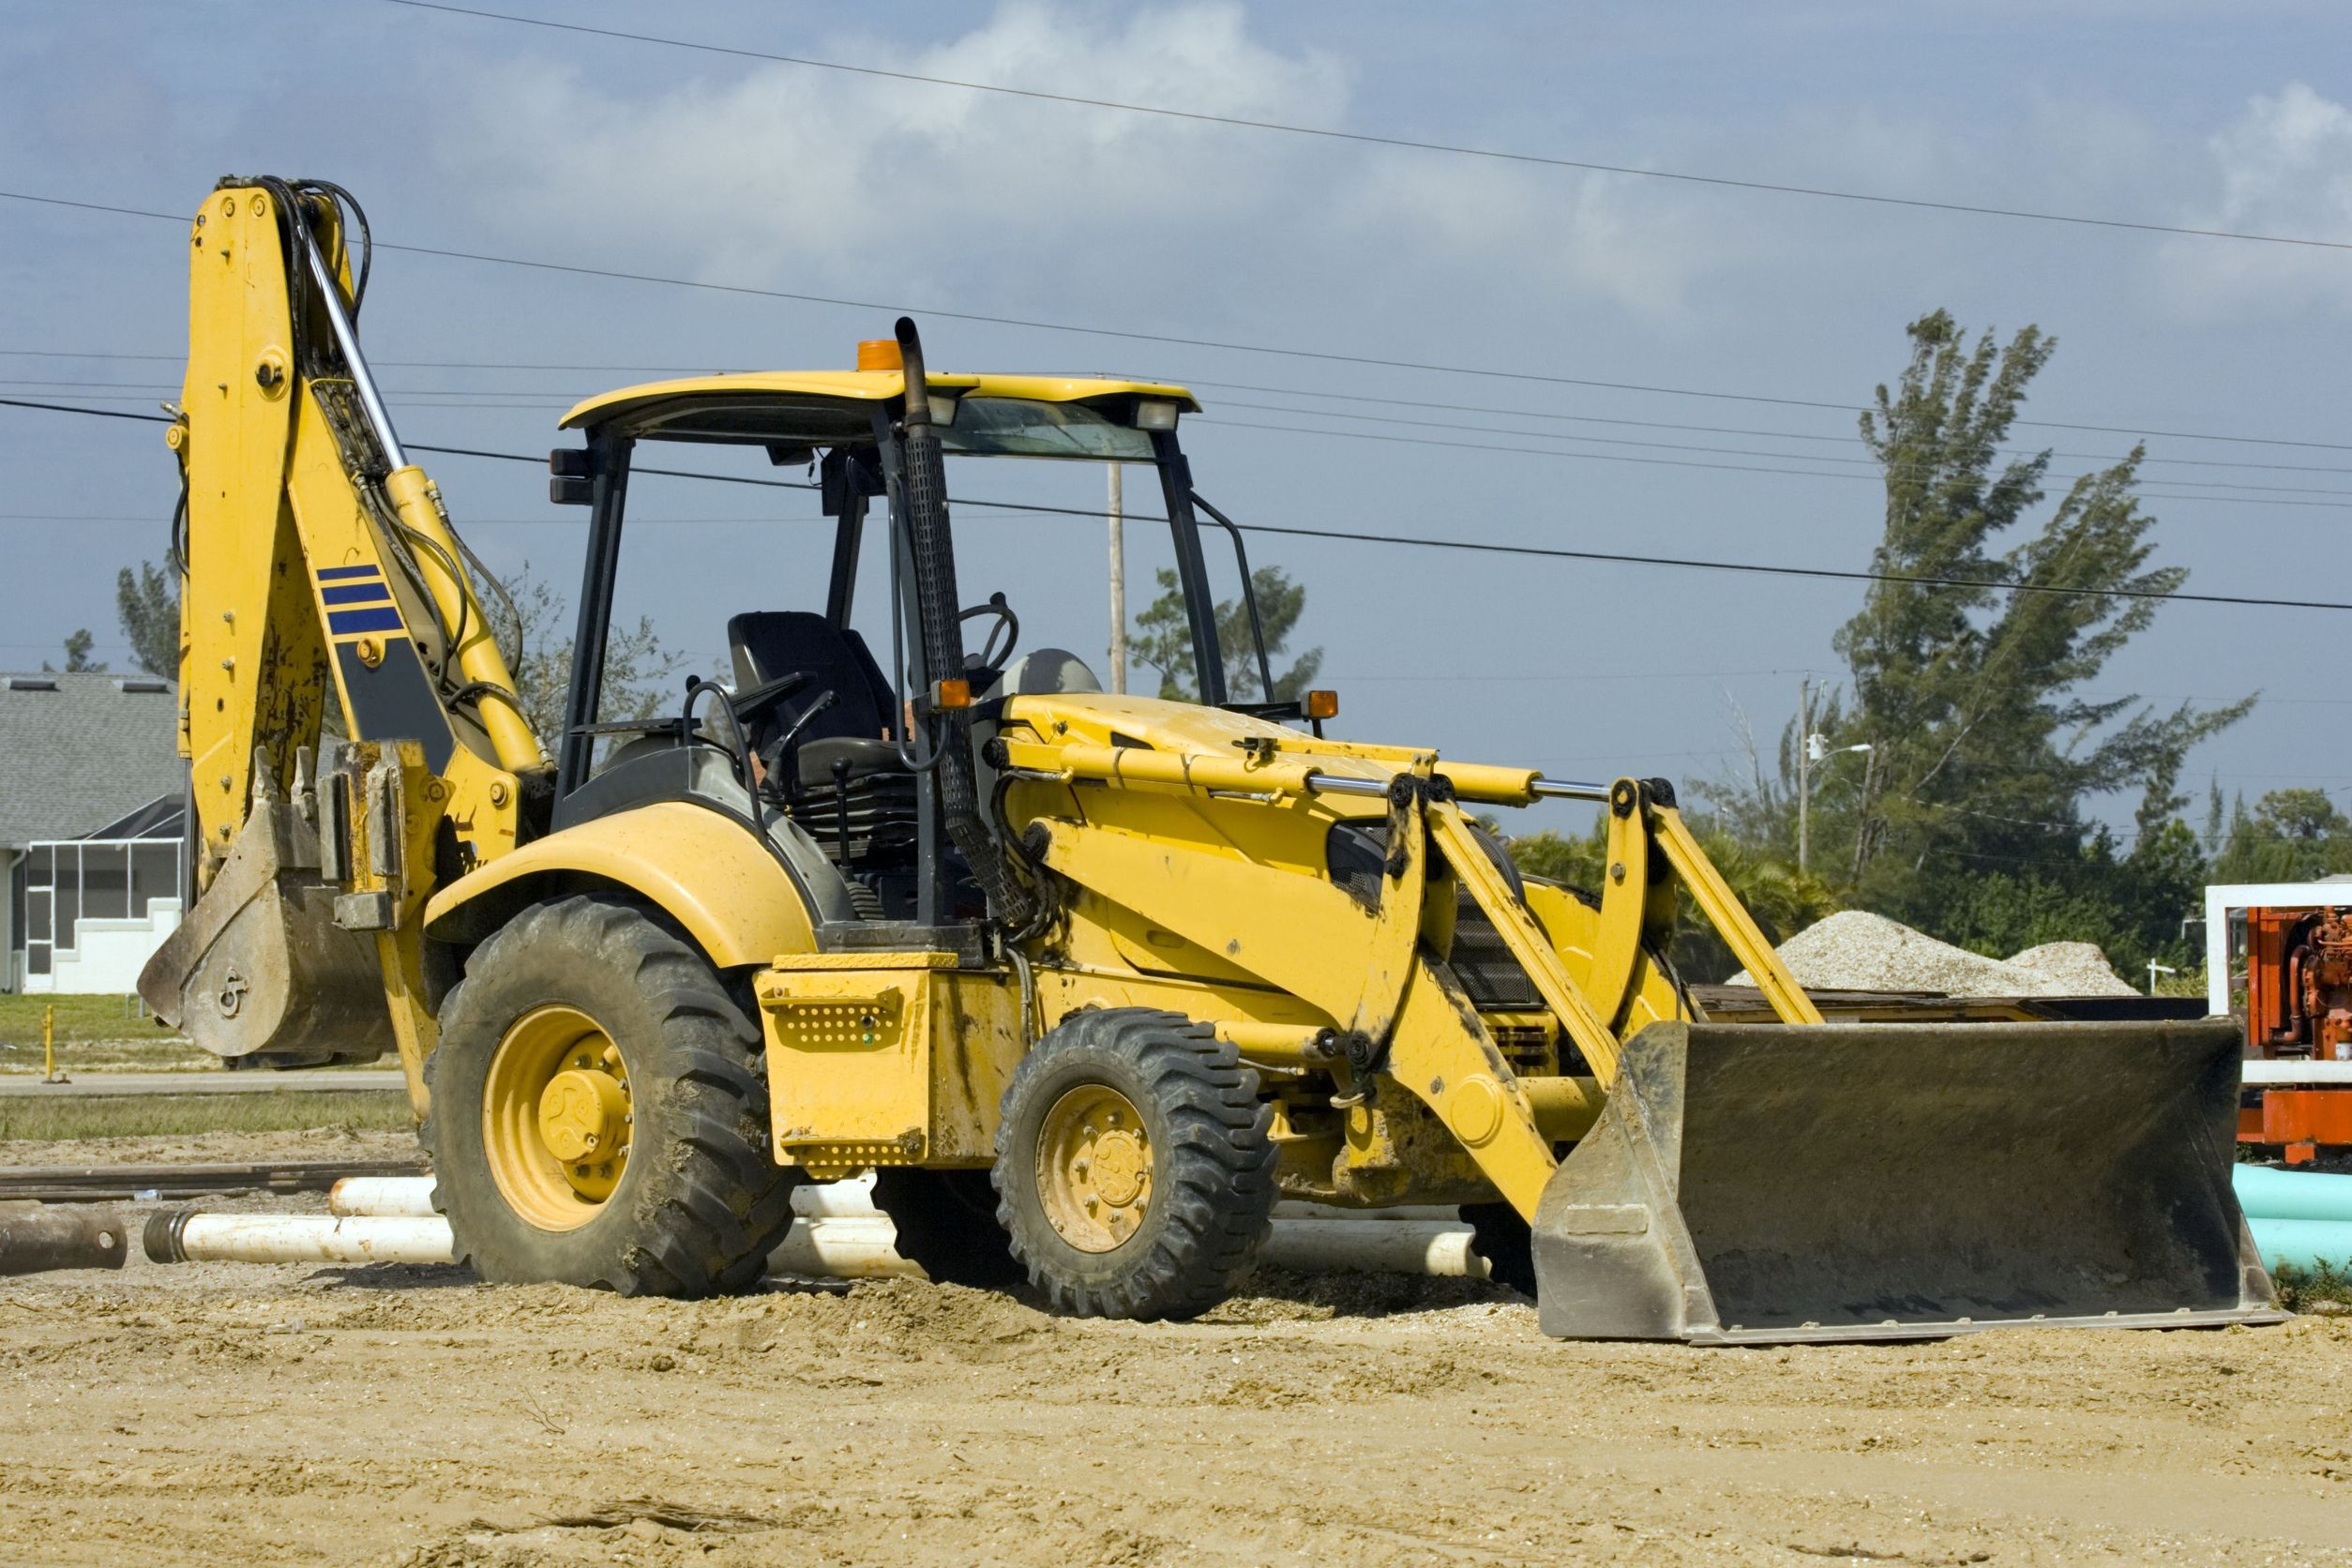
[79,751]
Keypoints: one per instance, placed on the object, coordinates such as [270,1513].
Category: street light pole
[1805,772]
[1811,748]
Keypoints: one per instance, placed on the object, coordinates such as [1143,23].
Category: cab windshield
[1026,428]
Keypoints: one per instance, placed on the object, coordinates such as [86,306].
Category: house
[91,841]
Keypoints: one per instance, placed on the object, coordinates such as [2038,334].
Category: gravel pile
[1857,951]
[2079,967]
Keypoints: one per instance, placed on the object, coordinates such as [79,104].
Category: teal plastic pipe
[2302,1243]
[2267,1193]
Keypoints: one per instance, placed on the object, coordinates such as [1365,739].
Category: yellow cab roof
[820,406]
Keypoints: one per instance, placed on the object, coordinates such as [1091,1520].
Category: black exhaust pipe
[937,606]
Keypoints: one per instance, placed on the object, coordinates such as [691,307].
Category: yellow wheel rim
[556,1117]
[1094,1167]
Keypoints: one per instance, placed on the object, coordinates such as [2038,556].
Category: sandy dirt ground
[249,1414]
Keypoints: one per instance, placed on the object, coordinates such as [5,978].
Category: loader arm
[1716,1182]
[322,576]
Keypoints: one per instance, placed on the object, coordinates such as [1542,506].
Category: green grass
[78,1018]
[2298,1288]
[101,1034]
[113,1034]
[42,1119]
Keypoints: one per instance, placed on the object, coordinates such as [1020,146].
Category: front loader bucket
[1759,1183]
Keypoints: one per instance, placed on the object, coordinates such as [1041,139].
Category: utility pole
[1118,587]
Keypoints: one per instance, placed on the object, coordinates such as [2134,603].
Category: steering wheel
[991,657]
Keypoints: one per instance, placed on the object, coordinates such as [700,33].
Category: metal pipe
[1280,1045]
[35,1238]
[1340,784]
[347,339]
[1564,788]
[403,1197]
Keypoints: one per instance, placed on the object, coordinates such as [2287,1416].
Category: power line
[1671,425]
[1371,138]
[1423,403]
[457,399]
[526,397]
[1220,345]
[1873,464]
[1539,552]
[1728,467]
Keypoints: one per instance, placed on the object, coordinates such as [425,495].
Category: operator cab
[831,747]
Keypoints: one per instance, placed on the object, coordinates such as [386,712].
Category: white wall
[108,955]
[8,963]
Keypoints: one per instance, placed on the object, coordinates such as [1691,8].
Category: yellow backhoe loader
[1088,980]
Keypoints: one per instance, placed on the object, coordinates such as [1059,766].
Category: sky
[1757,321]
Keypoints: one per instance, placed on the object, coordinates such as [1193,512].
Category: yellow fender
[731,897]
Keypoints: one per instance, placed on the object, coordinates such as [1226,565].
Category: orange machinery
[2299,1030]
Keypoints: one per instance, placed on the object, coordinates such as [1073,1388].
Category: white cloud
[2285,168]
[828,182]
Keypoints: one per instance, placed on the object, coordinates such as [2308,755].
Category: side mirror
[571,484]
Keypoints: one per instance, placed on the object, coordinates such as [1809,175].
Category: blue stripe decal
[342,621]
[358,593]
[328,574]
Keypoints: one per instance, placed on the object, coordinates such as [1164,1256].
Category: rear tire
[659,1061]
[946,1222]
[1135,1170]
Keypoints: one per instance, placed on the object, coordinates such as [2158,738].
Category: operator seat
[771,643]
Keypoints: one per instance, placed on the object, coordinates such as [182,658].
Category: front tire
[600,1111]
[1135,1170]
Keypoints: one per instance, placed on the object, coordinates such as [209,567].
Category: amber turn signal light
[951,694]
[1323,704]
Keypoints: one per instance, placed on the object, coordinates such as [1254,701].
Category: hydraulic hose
[938,608]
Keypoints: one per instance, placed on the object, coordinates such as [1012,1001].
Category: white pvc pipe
[823,1250]
[1435,1247]
[850,1199]
[842,1248]
[839,1234]
[2295,1072]
[413,1196]
[408,1196]
[313,1239]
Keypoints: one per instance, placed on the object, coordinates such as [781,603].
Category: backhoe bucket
[258,971]
[1759,1182]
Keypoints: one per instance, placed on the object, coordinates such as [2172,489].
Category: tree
[147,603]
[78,660]
[2290,836]
[1162,640]
[1970,695]
[1967,665]
[532,623]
